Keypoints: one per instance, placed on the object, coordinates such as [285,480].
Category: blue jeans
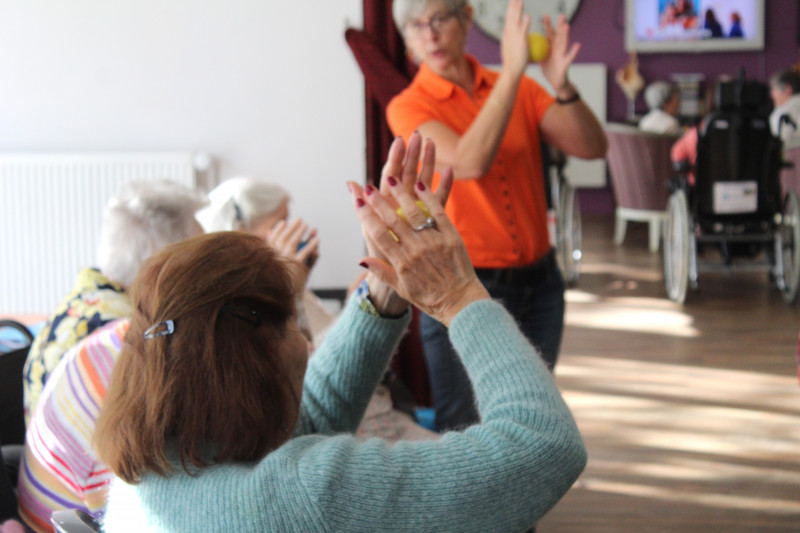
[538,309]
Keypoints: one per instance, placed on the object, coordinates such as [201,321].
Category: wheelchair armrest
[680,179]
[788,120]
[74,521]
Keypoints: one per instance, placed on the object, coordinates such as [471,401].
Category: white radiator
[51,208]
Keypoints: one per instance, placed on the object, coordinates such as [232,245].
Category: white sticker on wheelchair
[735,197]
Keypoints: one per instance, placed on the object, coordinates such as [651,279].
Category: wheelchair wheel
[570,236]
[677,235]
[790,253]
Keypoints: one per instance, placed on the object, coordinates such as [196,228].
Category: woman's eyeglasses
[416,28]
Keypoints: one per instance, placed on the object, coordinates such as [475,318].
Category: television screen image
[694,25]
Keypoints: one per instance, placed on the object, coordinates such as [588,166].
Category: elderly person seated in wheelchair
[59,467]
[735,202]
[217,420]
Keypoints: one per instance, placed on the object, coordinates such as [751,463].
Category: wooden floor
[691,414]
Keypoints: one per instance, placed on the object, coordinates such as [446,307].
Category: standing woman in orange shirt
[487,127]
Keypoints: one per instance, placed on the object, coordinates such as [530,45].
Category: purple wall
[599,27]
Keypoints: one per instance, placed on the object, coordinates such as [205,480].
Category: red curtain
[381,55]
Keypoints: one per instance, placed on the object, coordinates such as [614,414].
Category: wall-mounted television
[694,25]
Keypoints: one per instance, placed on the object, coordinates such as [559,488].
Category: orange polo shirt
[502,216]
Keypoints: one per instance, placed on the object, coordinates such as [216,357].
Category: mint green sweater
[500,475]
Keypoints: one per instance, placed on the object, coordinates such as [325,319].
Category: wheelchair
[564,206]
[735,205]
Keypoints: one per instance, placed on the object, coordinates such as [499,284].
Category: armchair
[640,167]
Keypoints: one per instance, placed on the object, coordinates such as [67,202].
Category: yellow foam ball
[539,47]
[421,207]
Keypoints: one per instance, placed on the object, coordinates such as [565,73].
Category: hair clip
[238,212]
[242,313]
[160,330]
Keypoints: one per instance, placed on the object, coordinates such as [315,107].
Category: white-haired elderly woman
[663,100]
[245,204]
[142,218]
[487,127]
[261,208]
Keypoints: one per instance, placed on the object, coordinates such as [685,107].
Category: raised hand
[514,45]
[421,258]
[562,54]
[397,166]
[286,239]
[400,171]
[402,166]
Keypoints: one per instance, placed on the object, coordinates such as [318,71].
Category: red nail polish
[420,186]
[360,202]
[369,189]
[363,264]
[392,181]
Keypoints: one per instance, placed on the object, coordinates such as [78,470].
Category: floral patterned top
[92,303]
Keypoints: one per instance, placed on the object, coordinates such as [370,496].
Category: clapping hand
[287,238]
[514,45]
[402,164]
[421,258]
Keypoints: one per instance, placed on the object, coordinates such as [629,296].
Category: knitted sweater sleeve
[500,475]
[344,371]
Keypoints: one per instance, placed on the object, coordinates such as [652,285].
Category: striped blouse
[60,469]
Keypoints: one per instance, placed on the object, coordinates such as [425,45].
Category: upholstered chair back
[639,166]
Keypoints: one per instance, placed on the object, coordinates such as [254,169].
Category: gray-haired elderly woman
[487,127]
[140,219]
[663,99]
